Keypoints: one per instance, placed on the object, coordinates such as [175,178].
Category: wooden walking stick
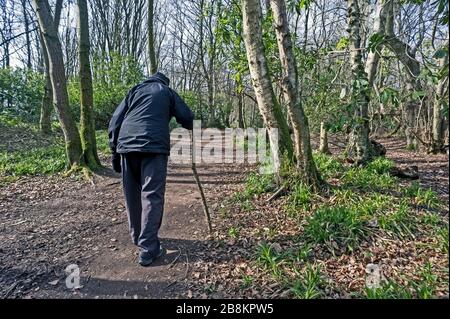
[200,187]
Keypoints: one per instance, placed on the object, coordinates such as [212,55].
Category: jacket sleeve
[116,123]
[181,112]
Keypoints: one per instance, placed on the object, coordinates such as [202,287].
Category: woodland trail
[103,250]
[50,222]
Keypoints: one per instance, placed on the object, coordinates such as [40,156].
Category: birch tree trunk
[87,123]
[290,84]
[323,146]
[406,56]
[280,140]
[438,105]
[373,57]
[359,147]
[59,82]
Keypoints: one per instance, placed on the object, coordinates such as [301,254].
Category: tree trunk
[241,100]
[26,23]
[280,140]
[46,104]
[87,123]
[438,106]
[373,57]
[290,84]
[59,83]
[359,148]
[406,56]
[323,146]
[153,67]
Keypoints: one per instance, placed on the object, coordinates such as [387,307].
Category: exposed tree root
[81,170]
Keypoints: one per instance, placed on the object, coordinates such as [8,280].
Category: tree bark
[290,85]
[26,23]
[87,122]
[373,57]
[59,83]
[406,55]
[46,104]
[438,106]
[359,147]
[323,146]
[270,109]
[153,67]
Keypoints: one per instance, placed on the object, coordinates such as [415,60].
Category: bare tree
[302,142]
[441,96]
[359,147]
[268,105]
[153,67]
[87,123]
[47,105]
[59,83]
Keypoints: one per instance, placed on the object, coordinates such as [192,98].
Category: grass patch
[401,222]
[305,283]
[424,287]
[247,281]
[269,259]
[388,290]
[443,239]
[422,197]
[380,165]
[365,179]
[309,285]
[339,225]
[45,160]
[103,142]
[257,184]
[299,199]
[297,255]
[374,203]
[328,166]
[233,232]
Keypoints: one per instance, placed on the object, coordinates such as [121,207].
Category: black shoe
[146,259]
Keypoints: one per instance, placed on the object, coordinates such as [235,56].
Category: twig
[10,290]
[337,144]
[185,274]
[187,267]
[16,224]
[277,194]
[175,260]
[115,183]
[200,187]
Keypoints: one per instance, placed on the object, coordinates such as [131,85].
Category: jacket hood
[159,77]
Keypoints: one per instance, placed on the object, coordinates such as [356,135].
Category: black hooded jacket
[141,122]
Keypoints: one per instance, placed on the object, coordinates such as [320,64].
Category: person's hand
[117,167]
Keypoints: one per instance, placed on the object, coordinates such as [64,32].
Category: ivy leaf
[441,53]
[375,40]
[342,44]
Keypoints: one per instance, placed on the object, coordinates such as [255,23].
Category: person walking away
[139,139]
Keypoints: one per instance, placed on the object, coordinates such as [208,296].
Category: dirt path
[47,224]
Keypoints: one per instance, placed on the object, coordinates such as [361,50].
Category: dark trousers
[144,183]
